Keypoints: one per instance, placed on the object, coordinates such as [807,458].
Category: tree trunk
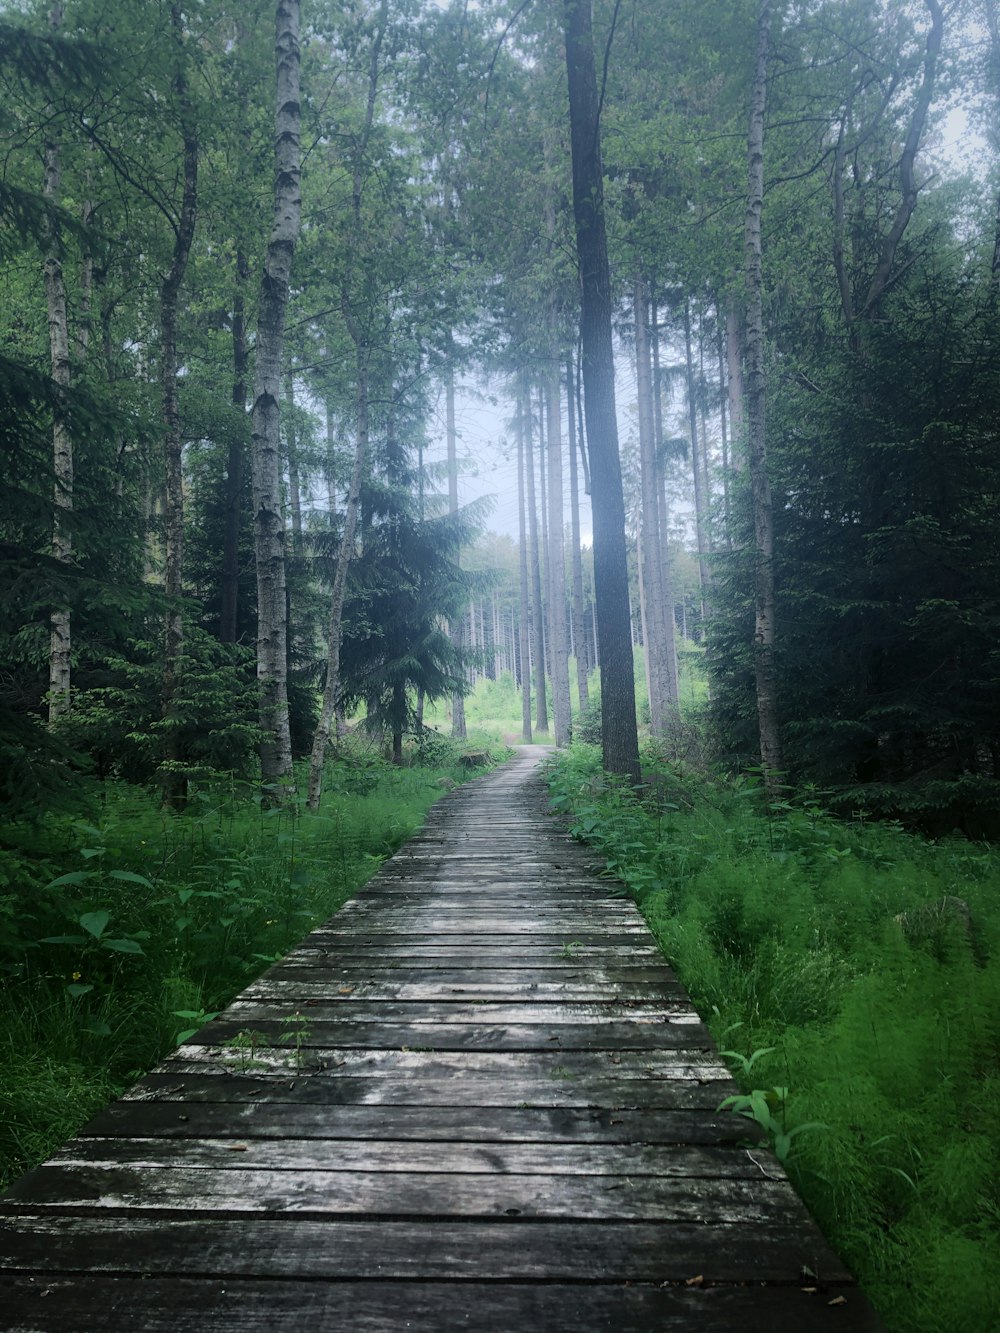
[458,727]
[524,663]
[173,784]
[701,524]
[228,624]
[663,521]
[764,624]
[734,378]
[726,465]
[655,629]
[292,449]
[619,735]
[62,442]
[537,605]
[579,629]
[559,652]
[269,528]
[331,689]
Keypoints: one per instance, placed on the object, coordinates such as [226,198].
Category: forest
[726,278]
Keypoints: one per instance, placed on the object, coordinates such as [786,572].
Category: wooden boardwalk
[476,1098]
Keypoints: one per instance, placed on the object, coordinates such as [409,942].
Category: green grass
[121,928]
[839,952]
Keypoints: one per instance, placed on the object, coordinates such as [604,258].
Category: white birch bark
[269,527]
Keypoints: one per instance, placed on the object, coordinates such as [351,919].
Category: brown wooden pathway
[497,1112]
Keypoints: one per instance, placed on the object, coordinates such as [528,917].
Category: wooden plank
[489,1124]
[222,1305]
[544,1066]
[472,1090]
[411,1156]
[261,1247]
[348,1008]
[443,1036]
[407,1194]
[296,986]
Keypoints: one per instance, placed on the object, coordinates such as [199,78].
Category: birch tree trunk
[236,457]
[62,443]
[619,734]
[269,527]
[173,783]
[764,612]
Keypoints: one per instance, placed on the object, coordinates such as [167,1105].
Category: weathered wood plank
[408,1194]
[452,1158]
[473,1090]
[293,1247]
[348,1008]
[484,1124]
[213,1305]
[442,1036]
[544,1066]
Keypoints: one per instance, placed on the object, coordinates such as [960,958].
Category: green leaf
[64,939]
[95,923]
[130,877]
[122,946]
[74,877]
[78,988]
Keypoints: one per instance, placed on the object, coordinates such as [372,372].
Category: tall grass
[862,964]
[123,927]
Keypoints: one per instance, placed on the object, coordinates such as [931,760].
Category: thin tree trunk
[699,492]
[62,442]
[235,459]
[663,516]
[579,631]
[537,605]
[726,511]
[764,626]
[458,726]
[651,562]
[559,655]
[331,690]
[269,528]
[734,378]
[173,784]
[619,735]
[292,448]
[523,629]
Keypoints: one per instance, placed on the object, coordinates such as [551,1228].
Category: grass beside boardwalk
[851,973]
[122,928]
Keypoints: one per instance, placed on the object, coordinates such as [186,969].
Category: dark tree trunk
[173,784]
[619,735]
[579,628]
[764,626]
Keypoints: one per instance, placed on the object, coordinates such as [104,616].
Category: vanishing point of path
[476,1098]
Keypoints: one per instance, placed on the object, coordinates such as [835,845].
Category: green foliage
[120,723]
[858,965]
[124,934]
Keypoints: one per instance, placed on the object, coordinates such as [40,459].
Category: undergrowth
[124,927]
[853,971]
